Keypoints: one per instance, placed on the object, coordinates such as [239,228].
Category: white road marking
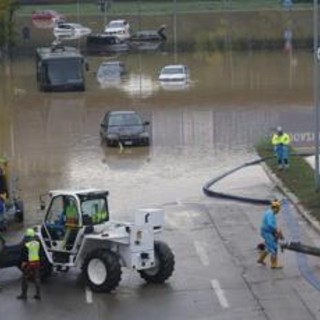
[202,253]
[220,293]
[89,297]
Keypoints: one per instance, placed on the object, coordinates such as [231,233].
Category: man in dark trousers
[30,264]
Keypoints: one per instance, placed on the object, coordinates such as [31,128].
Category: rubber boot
[37,296]
[22,296]
[274,262]
[262,256]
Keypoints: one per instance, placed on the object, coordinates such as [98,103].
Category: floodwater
[234,99]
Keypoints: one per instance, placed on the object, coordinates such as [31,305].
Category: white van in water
[118,28]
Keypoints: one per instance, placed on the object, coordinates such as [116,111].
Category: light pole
[175,30]
[316,89]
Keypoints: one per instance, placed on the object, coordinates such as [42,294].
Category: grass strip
[299,178]
[159,8]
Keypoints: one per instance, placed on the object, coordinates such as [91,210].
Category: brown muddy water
[234,99]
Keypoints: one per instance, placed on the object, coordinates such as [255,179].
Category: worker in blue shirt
[271,234]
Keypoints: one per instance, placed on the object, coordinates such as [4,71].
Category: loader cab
[62,223]
[70,215]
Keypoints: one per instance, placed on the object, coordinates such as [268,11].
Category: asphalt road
[216,275]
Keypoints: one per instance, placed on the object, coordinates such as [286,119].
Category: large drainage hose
[215,194]
[301,249]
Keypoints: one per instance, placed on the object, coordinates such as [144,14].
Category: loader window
[55,220]
[94,211]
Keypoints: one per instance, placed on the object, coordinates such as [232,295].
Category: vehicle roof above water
[173,66]
[117,21]
[112,63]
[122,112]
[58,52]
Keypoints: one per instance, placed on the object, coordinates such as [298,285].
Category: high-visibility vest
[33,247]
[71,215]
[284,139]
[103,215]
[99,216]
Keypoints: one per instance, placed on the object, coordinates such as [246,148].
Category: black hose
[215,194]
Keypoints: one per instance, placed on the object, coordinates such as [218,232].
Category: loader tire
[164,264]
[102,270]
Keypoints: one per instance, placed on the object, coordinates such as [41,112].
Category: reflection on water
[126,159]
[139,85]
[175,86]
[235,98]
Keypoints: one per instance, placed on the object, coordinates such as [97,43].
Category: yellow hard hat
[30,233]
[275,204]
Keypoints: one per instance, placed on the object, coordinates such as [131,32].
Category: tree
[7,10]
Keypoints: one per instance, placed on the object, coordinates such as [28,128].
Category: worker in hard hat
[30,264]
[271,234]
[2,212]
[280,141]
[71,222]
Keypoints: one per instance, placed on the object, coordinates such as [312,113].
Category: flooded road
[234,99]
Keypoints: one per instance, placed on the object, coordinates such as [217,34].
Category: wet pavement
[235,98]
[216,275]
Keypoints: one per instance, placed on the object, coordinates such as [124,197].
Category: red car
[46,15]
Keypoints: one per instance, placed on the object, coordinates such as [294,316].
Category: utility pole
[316,54]
[175,31]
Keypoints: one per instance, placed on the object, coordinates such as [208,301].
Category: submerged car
[47,15]
[119,28]
[177,73]
[70,29]
[111,72]
[148,40]
[102,43]
[150,35]
[124,127]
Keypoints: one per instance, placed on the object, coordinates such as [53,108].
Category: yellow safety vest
[277,139]
[71,216]
[33,250]
[99,216]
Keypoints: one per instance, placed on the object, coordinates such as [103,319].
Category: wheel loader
[97,245]
[13,210]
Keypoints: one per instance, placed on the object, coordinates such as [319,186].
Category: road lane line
[220,293]
[89,297]
[202,253]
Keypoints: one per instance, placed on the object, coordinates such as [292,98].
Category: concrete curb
[292,198]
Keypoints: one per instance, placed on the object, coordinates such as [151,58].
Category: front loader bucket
[300,247]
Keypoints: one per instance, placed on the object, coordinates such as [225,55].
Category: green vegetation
[160,7]
[7,10]
[299,178]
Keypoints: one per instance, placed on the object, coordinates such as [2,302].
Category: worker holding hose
[271,234]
